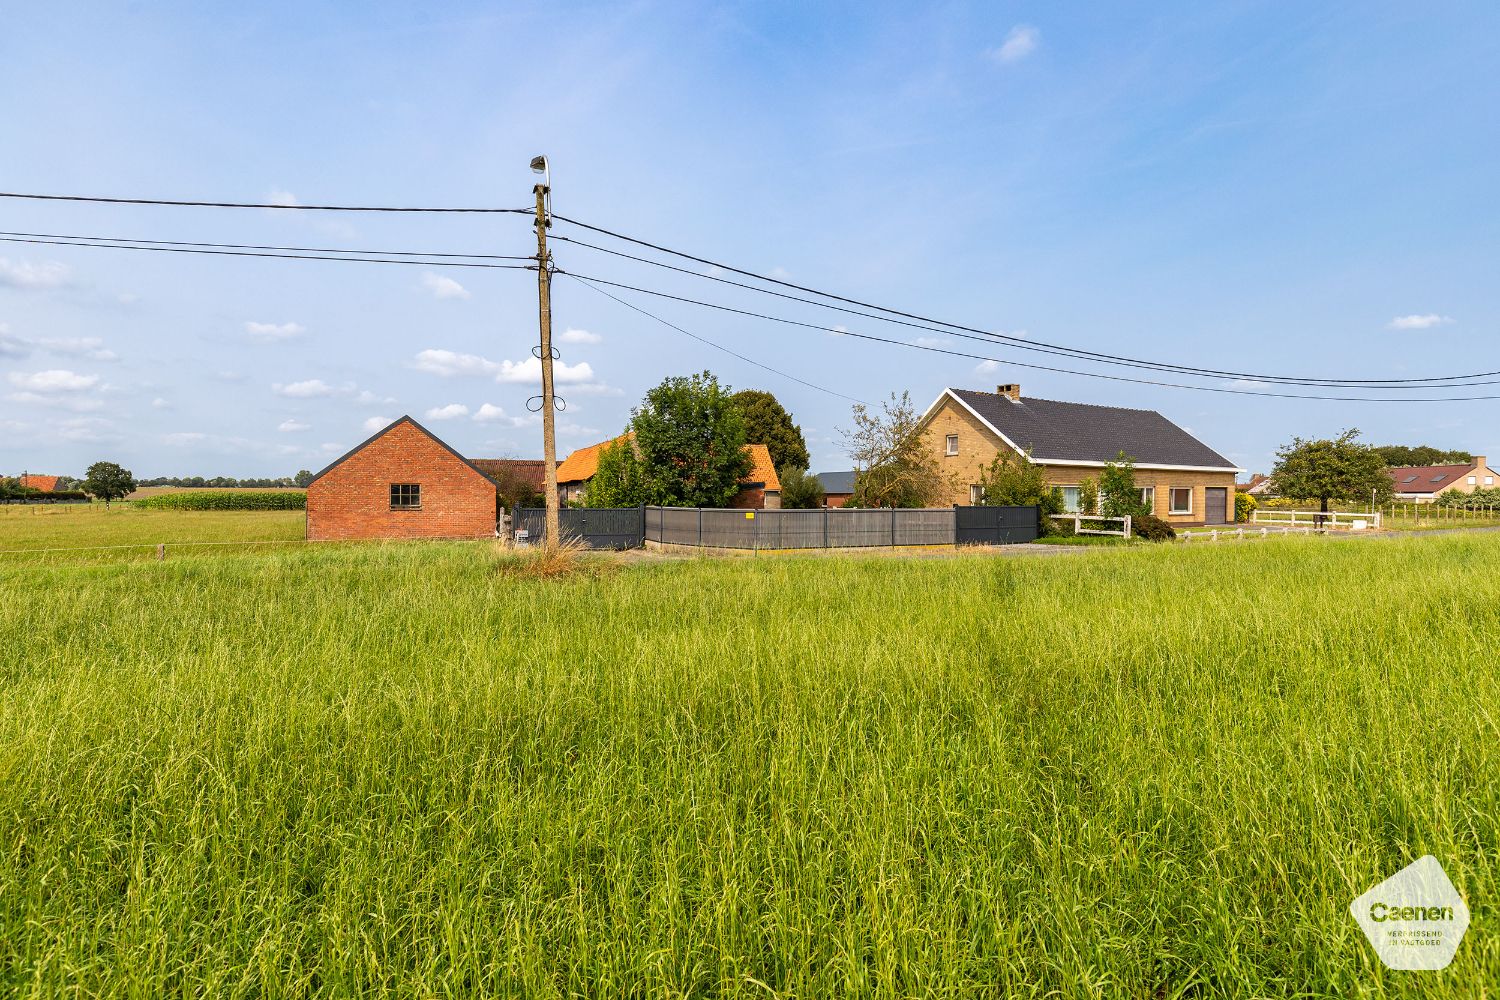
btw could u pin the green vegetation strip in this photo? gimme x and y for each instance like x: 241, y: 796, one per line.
x: 1145, y: 771
x: 225, y: 500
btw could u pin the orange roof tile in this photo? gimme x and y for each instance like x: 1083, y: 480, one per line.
x: 581, y: 465
x: 47, y: 484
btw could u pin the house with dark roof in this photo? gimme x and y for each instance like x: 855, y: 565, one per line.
x: 1181, y: 479
x: 1425, y: 483
x: 838, y: 487
x: 402, y: 482
x: 760, y: 489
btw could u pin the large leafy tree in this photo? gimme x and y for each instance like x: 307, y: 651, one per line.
x: 1327, y: 469
x: 800, y: 489
x: 1118, y: 495
x: 302, y: 478
x: 893, y: 467
x: 1422, y: 454
x: 620, y: 480
x: 691, y: 440
x: 767, y: 422
x: 107, y: 481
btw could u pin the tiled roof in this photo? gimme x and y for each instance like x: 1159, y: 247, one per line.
x: 1082, y: 432
x: 580, y: 466
x: 1427, y: 478
x: 530, y: 471
x: 382, y: 433
x: 837, y: 482
x: 47, y: 484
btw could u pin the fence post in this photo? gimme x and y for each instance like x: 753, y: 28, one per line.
x: 825, y: 525
x: 893, y: 527
x: 700, y: 527
x: 1127, y: 527
x: 161, y: 552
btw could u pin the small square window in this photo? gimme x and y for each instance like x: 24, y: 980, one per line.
x: 1473, y: 480
x: 950, y: 446
x: 1182, y: 500
x: 1148, y: 498
x: 1071, y: 501
x: 976, y: 494
x: 1489, y: 480
x: 406, y: 496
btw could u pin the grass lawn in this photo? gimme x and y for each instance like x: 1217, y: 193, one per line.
x: 74, y: 527
x: 1143, y: 771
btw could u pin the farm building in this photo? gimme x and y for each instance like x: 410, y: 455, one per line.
x: 838, y: 487
x: 1182, y: 480
x: 403, y: 482
x: 759, y: 490
x: 47, y: 484
x: 1426, y: 483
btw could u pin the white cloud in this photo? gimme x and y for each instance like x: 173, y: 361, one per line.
x: 284, y: 198
x: 1019, y: 43
x: 450, y: 412
x: 87, y: 429
x: 308, y: 389
x: 444, y: 287
x: 53, y: 380
x: 1419, y: 321
x: 160, y: 404
x: 270, y: 333
x: 182, y: 438
x: 12, y: 346
x: 985, y: 367
x: 451, y: 363
x: 24, y: 274
x: 572, y: 336
x: 81, y: 347
x: 67, y: 401
x: 291, y: 425
x: 489, y: 413
x: 374, y: 424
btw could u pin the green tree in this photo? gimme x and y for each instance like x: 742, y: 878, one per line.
x: 893, y: 467
x: 800, y: 489
x: 1326, y: 469
x: 691, y: 440
x: 767, y: 422
x: 1422, y: 454
x: 1118, y: 494
x: 302, y: 478
x: 1012, y: 480
x: 107, y: 481
x: 620, y: 480
x: 1088, y: 497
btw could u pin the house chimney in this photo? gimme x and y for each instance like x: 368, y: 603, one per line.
x: 1479, y: 462
x: 1012, y: 390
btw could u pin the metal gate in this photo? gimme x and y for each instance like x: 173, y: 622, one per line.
x: 995, y: 525
x: 1215, y: 505
x: 596, y: 527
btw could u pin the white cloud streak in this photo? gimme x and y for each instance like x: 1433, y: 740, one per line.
x: 1419, y: 321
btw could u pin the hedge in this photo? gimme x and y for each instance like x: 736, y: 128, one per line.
x: 217, y: 500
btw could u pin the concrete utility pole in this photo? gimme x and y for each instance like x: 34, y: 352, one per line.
x: 544, y: 296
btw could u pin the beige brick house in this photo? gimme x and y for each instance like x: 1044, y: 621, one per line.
x: 1427, y: 483
x: 1182, y: 480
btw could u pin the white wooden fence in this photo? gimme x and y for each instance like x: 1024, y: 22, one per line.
x: 1079, y: 529
x: 1334, y: 520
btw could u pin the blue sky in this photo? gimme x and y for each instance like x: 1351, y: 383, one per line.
x: 1289, y: 189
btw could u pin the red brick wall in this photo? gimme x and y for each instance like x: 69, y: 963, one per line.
x: 353, y: 500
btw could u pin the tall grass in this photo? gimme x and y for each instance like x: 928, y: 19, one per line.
x: 1136, y: 772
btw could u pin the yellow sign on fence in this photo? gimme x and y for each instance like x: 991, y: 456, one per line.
x: 749, y: 515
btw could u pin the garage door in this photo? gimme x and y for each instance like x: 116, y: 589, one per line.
x: 1215, y: 504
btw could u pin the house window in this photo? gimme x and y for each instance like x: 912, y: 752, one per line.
x: 406, y: 496
x: 950, y: 445
x: 1071, y: 502
x: 1148, y: 498
x: 1473, y: 480
x: 1489, y: 480
x: 1181, y: 498
x: 976, y: 494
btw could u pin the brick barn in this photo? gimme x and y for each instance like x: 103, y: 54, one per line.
x: 403, y: 482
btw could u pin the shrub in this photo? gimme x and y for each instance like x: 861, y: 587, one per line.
x: 1152, y: 528
x: 287, y: 500
x: 1244, y: 505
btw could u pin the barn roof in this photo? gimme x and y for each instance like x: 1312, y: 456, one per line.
x: 382, y: 433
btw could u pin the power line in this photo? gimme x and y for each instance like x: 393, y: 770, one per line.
x: 1022, y: 364
x: 246, y: 204
x: 276, y: 256
x: 1024, y: 343
x: 255, y: 246
x: 710, y: 343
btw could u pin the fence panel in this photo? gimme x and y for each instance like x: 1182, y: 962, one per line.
x: 927, y: 526
x: 995, y: 525
x: 596, y: 527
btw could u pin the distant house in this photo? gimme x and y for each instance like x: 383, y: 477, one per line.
x: 47, y: 484
x: 1258, y: 486
x: 838, y: 487
x: 515, y: 475
x: 1426, y: 483
x: 403, y: 482
x: 1181, y: 479
x: 760, y: 489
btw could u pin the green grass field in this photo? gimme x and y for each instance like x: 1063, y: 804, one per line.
x: 119, y: 532
x: 1143, y: 771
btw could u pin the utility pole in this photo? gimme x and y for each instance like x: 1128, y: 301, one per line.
x: 544, y: 297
